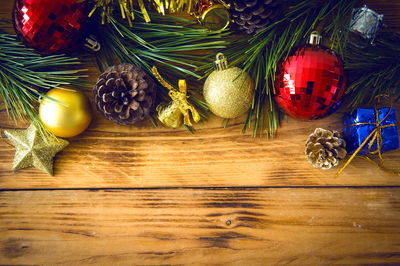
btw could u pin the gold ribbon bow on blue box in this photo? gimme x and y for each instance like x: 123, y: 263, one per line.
x: 370, y: 131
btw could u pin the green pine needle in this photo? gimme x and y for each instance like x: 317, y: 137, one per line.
x: 373, y: 70
x: 25, y: 76
x: 175, y: 45
x: 261, y: 54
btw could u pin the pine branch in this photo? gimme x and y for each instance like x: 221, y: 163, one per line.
x: 173, y: 44
x: 373, y: 70
x: 25, y: 76
x: 126, y: 8
x: 260, y: 54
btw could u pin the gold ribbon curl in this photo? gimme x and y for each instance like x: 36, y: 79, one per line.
x: 179, y: 98
x: 375, y: 134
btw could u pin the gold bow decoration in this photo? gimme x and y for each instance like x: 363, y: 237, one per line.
x: 376, y: 135
x: 171, y: 114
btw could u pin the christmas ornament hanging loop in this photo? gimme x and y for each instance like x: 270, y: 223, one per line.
x: 221, y: 63
x: 315, y: 38
x: 171, y: 115
x: 92, y: 44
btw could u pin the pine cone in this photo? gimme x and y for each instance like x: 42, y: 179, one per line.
x: 251, y: 16
x: 325, y: 148
x: 124, y: 94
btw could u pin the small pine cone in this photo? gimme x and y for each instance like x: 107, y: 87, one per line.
x: 124, y: 94
x: 325, y: 148
x: 251, y: 16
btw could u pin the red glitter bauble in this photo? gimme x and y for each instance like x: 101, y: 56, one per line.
x: 310, y: 84
x: 49, y: 26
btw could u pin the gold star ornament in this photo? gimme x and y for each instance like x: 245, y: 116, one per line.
x: 33, y: 150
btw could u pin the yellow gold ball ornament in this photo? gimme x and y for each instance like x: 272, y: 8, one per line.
x: 228, y: 91
x: 65, y: 113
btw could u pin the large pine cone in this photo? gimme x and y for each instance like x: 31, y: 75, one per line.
x: 325, y: 148
x: 251, y: 16
x: 124, y: 94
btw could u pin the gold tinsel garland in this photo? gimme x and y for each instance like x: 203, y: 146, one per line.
x: 127, y: 6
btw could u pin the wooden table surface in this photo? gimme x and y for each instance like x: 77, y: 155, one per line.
x: 145, y: 195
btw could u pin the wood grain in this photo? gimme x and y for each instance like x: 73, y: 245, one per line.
x: 201, y: 226
x: 112, y: 156
x: 165, y: 205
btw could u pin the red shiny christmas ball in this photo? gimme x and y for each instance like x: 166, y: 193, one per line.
x: 310, y: 84
x: 49, y: 26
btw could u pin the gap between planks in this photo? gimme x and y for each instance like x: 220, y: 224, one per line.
x: 246, y: 188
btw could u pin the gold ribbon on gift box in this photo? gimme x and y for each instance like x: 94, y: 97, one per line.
x: 374, y: 136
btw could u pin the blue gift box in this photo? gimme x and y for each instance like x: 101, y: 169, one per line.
x: 355, y: 135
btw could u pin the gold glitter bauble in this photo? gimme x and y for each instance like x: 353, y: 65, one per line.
x: 33, y: 150
x: 66, y: 114
x: 228, y: 91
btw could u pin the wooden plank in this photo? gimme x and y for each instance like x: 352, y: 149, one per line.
x: 112, y: 156
x: 214, y: 156
x: 197, y: 226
